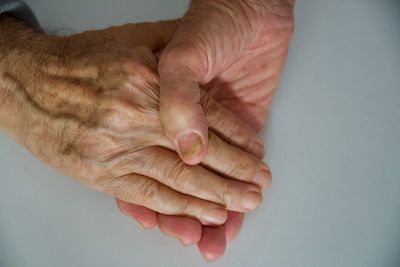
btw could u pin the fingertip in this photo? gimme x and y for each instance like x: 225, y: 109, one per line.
x: 145, y: 217
x: 147, y: 225
x: 186, y: 242
x: 213, y: 243
x: 187, y: 230
x: 210, y: 257
x: 251, y: 200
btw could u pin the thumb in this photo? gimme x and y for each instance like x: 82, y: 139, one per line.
x: 181, y: 114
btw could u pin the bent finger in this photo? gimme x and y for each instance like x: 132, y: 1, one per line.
x: 235, y: 163
x: 167, y: 168
x: 146, y: 192
x: 231, y: 128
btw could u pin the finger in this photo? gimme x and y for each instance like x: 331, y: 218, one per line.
x: 231, y: 128
x: 187, y: 230
x: 235, y: 163
x: 146, y: 192
x: 146, y: 217
x: 167, y: 168
x: 233, y: 224
x: 181, y: 114
x: 213, y: 243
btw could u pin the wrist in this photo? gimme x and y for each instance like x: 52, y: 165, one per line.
x: 19, y: 41
x: 21, y: 51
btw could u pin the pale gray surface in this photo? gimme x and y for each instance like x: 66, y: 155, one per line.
x: 333, y: 144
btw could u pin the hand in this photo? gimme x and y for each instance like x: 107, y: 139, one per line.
x: 240, y: 65
x: 236, y: 50
x: 88, y: 105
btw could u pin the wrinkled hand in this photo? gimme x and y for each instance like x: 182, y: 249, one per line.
x: 235, y: 50
x: 87, y: 104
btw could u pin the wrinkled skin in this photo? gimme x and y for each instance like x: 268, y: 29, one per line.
x: 87, y: 104
x: 243, y: 99
x: 235, y: 50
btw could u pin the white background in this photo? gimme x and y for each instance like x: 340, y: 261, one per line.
x: 333, y: 143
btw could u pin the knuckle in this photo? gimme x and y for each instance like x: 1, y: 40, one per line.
x: 121, y: 188
x: 235, y: 171
x: 225, y: 193
x: 184, y: 206
x: 178, y: 53
x: 178, y: 58
x: 147, y: 192
x: 119, y: 116
x: 240, y: 133
x: 243, y: 168
x: 241, y: 164
x: 116, y: 119
x: 248, y: 168
x: 177, y: 173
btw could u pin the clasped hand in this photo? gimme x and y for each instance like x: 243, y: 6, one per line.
x: 89, y: 105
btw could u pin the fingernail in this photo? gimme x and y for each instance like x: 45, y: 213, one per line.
x: 185, y: 242
x: 251, y: 200
x: 145, y: 227
x: 262, y: 178
x: 209, y: 257
x: 190, y: 145
x: 216, y: 216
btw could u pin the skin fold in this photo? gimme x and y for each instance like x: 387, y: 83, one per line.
x: 87, y: 104
x: 236, y: 51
